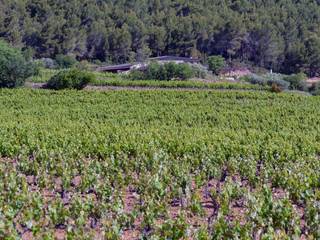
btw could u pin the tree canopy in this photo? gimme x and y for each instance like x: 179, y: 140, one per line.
x: 280, y: 34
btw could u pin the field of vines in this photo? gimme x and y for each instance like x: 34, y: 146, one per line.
x: 159, y: 165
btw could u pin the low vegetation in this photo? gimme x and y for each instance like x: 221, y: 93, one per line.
x: 167, y: 71
x: 297, y: 81
x: 216, y: 64
x: 65, y: 61
x: 43, y: 75
x: 270, y: 79
x: 158, y: 165
x: 178, y: 84
x: 315, y: 89
x: 70, y: 79
x: 109, y: 79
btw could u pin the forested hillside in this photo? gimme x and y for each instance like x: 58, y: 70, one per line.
x: 280, y: 34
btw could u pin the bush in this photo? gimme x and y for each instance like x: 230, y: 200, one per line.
x: 276, y: 79
x: 165, y: 71
x: 48, y: 63
x: 199, y: 72
x: 271, y: 79
x: 216, y: 64
x: 14, y: 69
x: 315, y: 89
x: 83, y: 65
x: 255, y: 79
x: 65, y: 61
x: 137, y: 75
x: 297, y: 81
x: 70, y: 79
x: 183, y: 72
x: 155, y: 71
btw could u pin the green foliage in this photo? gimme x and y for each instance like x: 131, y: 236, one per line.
x: 216, y: 64
x: 65, y: 61
x: 48, y: 63
x: 199, y: 72
x: 162, y: 164
x: 315, y: 89
x: 136, y: 75
x: 43, y: 76
x: 297, y: 81
x: 181, y: 71
x: 271, y: 79
x: 70, y: 79
x: 14, y: 69
x: 167, y: 71
x: 110, y: 79
x: 132, y: 30
x: 177, y: 84
x: 312, y: 217
x: 277, y: 80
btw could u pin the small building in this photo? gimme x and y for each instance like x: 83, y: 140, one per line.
x: 115, y: 68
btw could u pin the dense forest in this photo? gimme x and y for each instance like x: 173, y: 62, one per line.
x: 280, y: 34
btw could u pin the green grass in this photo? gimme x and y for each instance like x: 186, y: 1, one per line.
x: 111, y: 163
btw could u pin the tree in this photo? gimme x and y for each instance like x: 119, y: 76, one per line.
x: 65, y: 61
x: 216, y: 64
x: 256, y: 32
x: 14, y: 69
x: 312, y: 55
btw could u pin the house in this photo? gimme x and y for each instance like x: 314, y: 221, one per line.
x: 161, y: 60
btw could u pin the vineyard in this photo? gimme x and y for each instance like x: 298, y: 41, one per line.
x: 159, y: 165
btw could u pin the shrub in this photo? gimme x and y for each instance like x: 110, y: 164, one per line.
x: 165, y: 71
x: 297, y: 81
x: 137, y: 75
x: 270, y: 79
x: 216, y: 64
x: 199, y: 72
x: 183, y: 72
x: 83, y: 65
x: 315, y: 89
x: 277, y: 79
x: 255, y: 79
x: 70, y: 79
x: 14, y: 69
x: 48, y: 63
x: 154, y: 72
x: 65, y: 61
